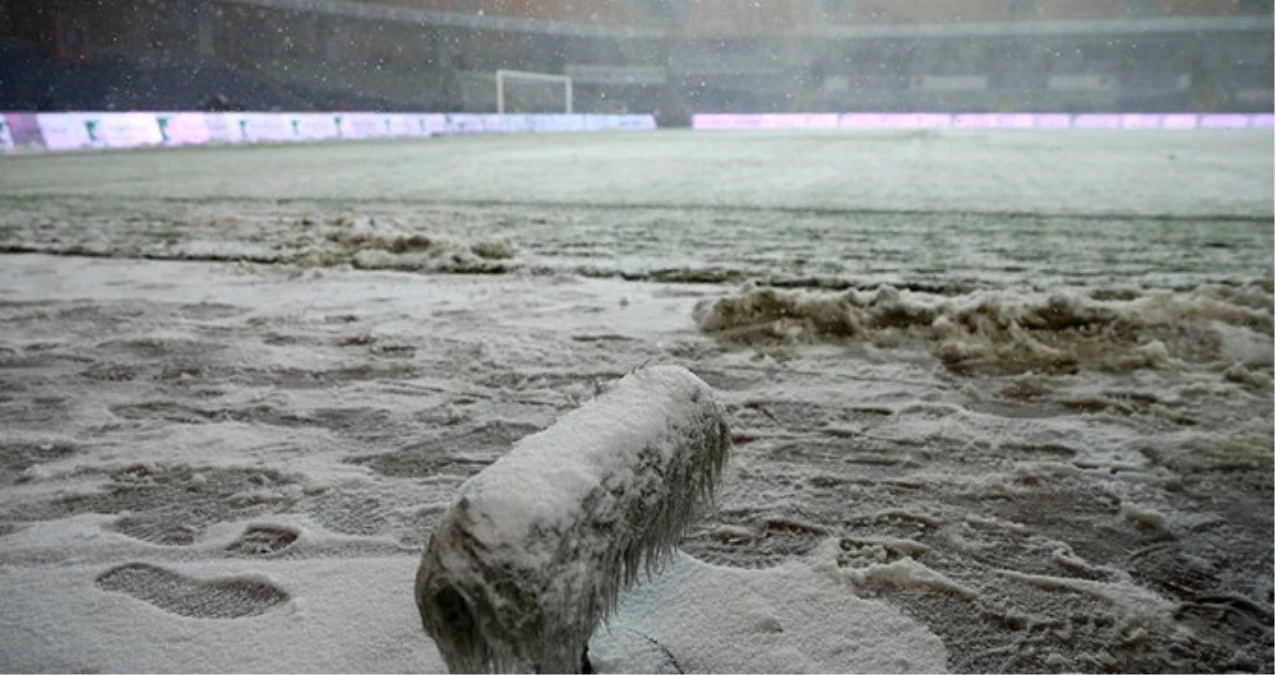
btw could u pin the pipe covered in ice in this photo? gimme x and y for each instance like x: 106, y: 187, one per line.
x: 530, y: 556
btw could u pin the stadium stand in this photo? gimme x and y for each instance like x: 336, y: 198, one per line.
x: 671, y: 57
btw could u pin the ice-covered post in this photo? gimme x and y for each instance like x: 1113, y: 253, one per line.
x: 531, y: 554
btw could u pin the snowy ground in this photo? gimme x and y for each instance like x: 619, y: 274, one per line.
x: 228, y: 422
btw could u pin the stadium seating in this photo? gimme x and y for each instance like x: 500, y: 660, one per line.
x: 112, y: 81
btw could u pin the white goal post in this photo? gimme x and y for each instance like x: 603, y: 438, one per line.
x: 503, y: 75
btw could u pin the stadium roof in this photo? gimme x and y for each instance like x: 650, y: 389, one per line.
x: 1025, y: 27
x: 1143, y: 25
x: 472, y: 20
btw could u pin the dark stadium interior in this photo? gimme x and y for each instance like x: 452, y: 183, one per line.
x: 670, y: 57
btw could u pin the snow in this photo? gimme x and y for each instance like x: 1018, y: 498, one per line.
x: 664, y: 411
x: 275, y: 441
x: 1206, y: 173
x: 790, y: 619
x: 349, y: 603
x: 1011, y: 330
x: 711, y: 617
x: 331, y: 622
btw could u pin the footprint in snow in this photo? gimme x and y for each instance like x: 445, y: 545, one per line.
x: 262, y: 540
x: 225, y: 598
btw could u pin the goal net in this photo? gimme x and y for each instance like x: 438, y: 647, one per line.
x: 522, y: 92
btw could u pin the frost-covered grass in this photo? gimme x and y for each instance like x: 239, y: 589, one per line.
x: 1204, y: 173
x: 952, y: 212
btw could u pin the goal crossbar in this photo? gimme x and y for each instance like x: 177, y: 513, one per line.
x: 502, y: 75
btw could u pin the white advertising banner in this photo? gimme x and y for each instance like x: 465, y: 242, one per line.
x: 361, y: 125
x: 87, y: 130
x: 70, y: 131
x: 265, y: 127
x: 312, y: 127
x: 129, y: 130
x: 461, y: 123
x: 6, y: 135
x: 226, y: 128
x: 182, y: 128
x: 430, y: 124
